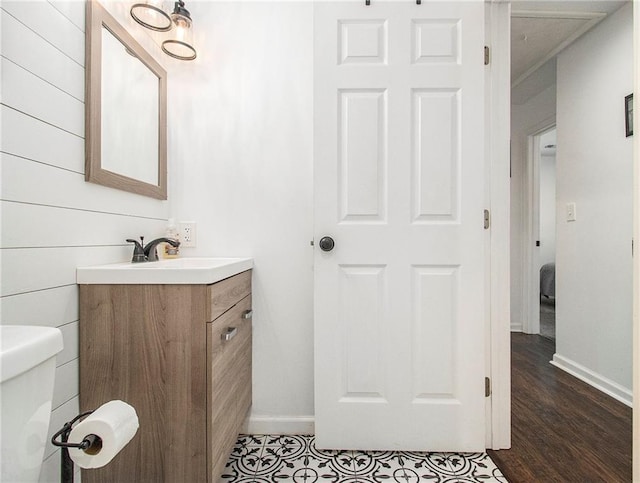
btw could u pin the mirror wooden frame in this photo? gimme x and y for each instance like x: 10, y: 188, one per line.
x: 98, y: 18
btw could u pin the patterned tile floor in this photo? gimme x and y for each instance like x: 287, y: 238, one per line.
x: 273, y: 458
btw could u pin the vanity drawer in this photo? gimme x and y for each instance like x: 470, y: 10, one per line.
x: 228, y: 382
x: 226, y: 293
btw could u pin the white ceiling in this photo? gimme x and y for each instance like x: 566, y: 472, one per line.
x: 540, y: 30
x: 535, y: 39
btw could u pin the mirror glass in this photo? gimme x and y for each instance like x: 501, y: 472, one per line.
x: 129, y: 113
x: 126, y: 110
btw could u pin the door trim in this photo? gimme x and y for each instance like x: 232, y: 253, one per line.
x: 498, y: 346
x: 636, y: 258
x: 531, y: 211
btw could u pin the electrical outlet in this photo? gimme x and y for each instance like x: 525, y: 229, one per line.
x: 187, y: 232
x: 571, y: 212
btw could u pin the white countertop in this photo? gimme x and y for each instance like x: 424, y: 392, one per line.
x: 175, y: 271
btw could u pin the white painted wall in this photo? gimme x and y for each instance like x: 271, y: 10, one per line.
x: 533, y: 115
x: 242, y: 139
x: 547, y: 198
x: 594, y: 170
x: 52, y: 220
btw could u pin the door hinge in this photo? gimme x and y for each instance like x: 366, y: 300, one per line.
x: 487, y: 387
x: 486, y: 55
x: 487, y: 220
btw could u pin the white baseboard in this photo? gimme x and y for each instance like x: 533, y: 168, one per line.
x: 516, y: 327
x: 601, y: 383
x: 256, y: 424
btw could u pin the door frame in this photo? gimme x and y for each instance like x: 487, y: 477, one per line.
x: 636, y: 259
x: 498, y: 167
x: 531, y: 209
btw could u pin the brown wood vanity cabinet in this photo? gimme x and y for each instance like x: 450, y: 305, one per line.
x: 181, y: 356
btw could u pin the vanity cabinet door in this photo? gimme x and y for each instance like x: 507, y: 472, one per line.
x: 228, y: 382
x: 146, y: 345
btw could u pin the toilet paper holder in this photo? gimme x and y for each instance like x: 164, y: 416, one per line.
x: 91, y: 444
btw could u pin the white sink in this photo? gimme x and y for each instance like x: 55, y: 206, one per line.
x: 175, y: 271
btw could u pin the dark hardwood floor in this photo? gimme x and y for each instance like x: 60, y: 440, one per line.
x: 563, y: 430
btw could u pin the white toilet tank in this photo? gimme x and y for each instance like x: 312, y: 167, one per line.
x: 27, y: 372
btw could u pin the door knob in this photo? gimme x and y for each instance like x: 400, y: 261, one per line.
x: 327, y: 243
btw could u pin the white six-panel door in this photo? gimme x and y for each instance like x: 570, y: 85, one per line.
x: 399, y: 176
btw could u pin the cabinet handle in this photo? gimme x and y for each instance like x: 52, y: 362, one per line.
x: 247, y: 314
x: 229, y: 334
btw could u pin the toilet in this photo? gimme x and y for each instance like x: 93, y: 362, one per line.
x: 27, y: 372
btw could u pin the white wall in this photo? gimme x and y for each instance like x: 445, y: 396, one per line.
x: 594, y: 170
x: 243, y: 142
x: 535, y: 114
x: 52, y: 220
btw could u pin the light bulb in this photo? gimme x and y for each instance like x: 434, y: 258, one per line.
x: 180, y: 45
x: 152, y: 15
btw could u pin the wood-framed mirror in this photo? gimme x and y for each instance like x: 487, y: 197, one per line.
x: 125, y: 109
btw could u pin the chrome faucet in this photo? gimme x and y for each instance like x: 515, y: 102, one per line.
x: 149, y: 252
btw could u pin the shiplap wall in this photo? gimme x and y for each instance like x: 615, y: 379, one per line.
x: 52, y: 220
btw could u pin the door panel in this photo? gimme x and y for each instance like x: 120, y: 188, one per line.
x: 435, y: 297
x: 361, y: 315
x: 362, y: 41
x: 435, y: 154
x: 362, y: 158
x: 399, y: 177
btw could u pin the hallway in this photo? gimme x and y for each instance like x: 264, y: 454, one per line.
x: 563, y: 430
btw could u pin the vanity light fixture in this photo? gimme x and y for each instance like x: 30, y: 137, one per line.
x: 152, y: 15
x: 180, y: 46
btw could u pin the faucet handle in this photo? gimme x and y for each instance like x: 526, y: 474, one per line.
x: 138, y: 250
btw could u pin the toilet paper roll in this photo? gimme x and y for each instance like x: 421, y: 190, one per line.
x: 115, y: 422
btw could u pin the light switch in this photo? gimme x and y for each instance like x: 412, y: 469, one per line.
x: 571, y: 212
